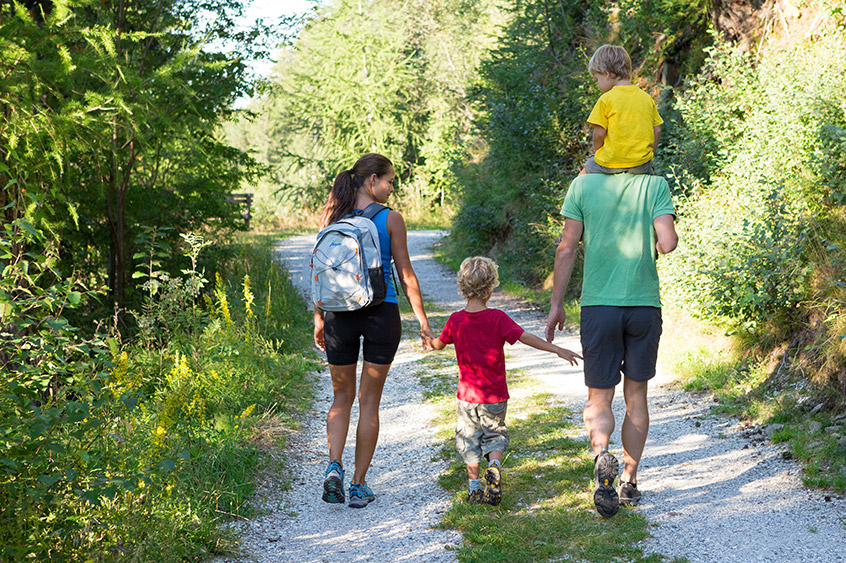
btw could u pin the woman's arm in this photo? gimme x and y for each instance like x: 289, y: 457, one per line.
x: 407, y: 277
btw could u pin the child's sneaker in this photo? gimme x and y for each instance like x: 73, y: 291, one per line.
x: 493, y: 489
x: 605, y: 498
x: 333, y: 484
x: 628, y: 493
x: 476, y: 496
x: 360, y: 495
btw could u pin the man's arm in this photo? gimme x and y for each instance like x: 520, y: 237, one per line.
x: 665, y: 234
x: 656, y: 134
x: 565, y: 258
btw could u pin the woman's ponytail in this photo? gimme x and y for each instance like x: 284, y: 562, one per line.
x: 341, y: 200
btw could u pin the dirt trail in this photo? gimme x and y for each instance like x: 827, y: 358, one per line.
x: 713, y: 491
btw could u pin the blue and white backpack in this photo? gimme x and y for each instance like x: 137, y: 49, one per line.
x: 346, y: 264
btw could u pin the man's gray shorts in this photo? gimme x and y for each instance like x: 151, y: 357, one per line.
x: 619, y: 339
x: 591, y: 167
x: 480, y: 430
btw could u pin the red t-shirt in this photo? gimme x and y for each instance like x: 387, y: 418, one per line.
x: 479, y: 338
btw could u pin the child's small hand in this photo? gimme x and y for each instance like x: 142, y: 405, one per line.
x: 568, y: 355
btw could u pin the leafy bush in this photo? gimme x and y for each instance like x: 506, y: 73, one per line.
x: 137, y: 450
x: 533, y: 97
x: 58, y: 404
x: 759, y: 198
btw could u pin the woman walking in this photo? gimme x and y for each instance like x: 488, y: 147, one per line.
x: 339, y: 334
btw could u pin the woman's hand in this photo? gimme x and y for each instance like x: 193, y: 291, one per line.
x: 319, y: 339
x: 427, y: 336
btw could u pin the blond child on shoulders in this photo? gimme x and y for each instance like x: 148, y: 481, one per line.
x: 479, y: 334
x: 626, y: 124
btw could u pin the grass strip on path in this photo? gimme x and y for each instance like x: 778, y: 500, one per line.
x: 547, y: 511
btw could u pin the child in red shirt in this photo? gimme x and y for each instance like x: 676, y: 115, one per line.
x: 479, y: 334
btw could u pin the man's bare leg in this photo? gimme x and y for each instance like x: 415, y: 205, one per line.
x: 599, y: 422
x: 635, y: 427
x: 599, y: 419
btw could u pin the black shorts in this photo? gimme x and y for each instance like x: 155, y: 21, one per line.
x: 380, y: 326
x: 619, y: 339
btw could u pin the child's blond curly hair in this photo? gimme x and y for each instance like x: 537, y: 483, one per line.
x: 477, y: 277
x: 613, y: 59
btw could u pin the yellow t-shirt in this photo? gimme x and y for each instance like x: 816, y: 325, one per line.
x: 628, y: 114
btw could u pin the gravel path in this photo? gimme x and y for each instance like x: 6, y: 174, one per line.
x: 713, y: 489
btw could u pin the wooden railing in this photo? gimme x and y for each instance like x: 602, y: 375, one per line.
x: 242, y: 199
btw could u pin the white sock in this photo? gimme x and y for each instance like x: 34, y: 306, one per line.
x: 474, y: 484
x: 494, y: 461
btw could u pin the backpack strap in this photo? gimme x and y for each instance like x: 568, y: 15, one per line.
x: 371, y: 210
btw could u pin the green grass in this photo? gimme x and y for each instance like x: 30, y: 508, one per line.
x: 755, y: 389
x: 547, y: 511
x: 246, y: 384
x: 177, y: 425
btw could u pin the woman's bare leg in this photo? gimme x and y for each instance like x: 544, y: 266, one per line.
x: 367, y: 434
x: 338, y: 419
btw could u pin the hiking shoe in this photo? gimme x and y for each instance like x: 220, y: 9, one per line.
x: 476, y: 496
x: 493, y: 490
x: 628, y: 493
x: 360, y: 495
x: 605, y: 498
x: 333, y: 484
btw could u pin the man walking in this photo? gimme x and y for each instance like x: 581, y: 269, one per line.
x: 625, y: 221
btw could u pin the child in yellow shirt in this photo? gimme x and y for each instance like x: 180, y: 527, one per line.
x: 626, y: 124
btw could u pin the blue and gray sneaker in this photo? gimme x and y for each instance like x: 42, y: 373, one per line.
x: 360, y: 495
x: 333, y: 484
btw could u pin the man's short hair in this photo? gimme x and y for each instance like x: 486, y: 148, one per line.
x: 477, y: 277
x: 612, y: 59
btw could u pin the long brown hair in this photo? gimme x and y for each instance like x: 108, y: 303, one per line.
x: 342, y: 197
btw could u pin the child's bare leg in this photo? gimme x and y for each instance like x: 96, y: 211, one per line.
x: 495, y: 456
x: 473, y: 470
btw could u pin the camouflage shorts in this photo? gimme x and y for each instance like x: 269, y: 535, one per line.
x: 591, y: 167
x: 480, y: 430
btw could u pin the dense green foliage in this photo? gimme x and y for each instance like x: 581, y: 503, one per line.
x: 763, y: 225
x: 110, y: 110
x: 766, y: 181
x: 136, y: 392
x: 114, y: 450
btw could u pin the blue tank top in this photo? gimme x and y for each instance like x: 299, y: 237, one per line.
x: 381, y: 221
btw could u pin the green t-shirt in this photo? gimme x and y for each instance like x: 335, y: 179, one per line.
x: 619, y: 239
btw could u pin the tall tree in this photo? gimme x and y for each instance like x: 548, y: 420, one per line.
x: 387, y: 75
x: 349, y: 86
x: 124, y: 97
